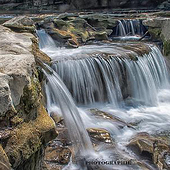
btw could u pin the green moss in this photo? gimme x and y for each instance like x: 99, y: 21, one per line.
x: 59, y: 23
x: 30, y: 99
x: 27, y: 138
x: 166, y: 47
x: 155, y: 32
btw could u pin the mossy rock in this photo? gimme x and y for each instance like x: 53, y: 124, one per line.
x: 30, y: 100
x: 38, y: 53
x: 27, y: 138
x: 166, y: 48
x: 101, y: 36
x: 59, y: 23
x: 155, y: 33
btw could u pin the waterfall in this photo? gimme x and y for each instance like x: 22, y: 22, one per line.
x: 129, y: 28
x: 57, y: 94
x: 45, y: 39
x: 131, y: 77
x: 96, y: 79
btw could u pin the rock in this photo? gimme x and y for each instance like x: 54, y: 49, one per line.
x: 27, y: 138
x: 80, y: 4
x: 56, y: 155
x: 60, y: 155
x: 99, y: 21
x: 38, y: 53
x: 21, y: 24
x: 101, y: 36
x: 4, y: 161
x: 56, y: 117
x: 16, y: 63
x: 110, y: 117
x: 66, y: 16
x: 154, y: 148
x: 99, y: 135
x: 73, y: 31
x: 158, y: 28
x: 165, y: 5
x: 25, y: 125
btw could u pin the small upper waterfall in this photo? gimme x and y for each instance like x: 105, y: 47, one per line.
x: 57, y: 94
x: 45, y: 39
x: 129, y: 28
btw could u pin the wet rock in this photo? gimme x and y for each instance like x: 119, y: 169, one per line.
x: 100, y: 135
x: 138, y: 48
x: 110, y: 117
x: 60, y: 155
x: 20, y: 102
x: 56, y: 117
x: 27, y: 138
x: 152, y: 148
x: 38, y: 53
x: 21, y: 24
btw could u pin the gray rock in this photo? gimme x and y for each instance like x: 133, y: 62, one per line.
x: 21, y: 23
x: 16, y: 63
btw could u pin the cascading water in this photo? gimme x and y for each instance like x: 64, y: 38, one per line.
x: 57, y: 94
x: 97, y: 79
x: 98, y: 75
x: 129, y: 29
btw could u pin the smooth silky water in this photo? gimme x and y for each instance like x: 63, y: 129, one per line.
x: 82, y: 80
x: 129, y: 30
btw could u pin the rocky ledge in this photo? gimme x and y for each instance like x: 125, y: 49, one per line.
x: 25, y: 126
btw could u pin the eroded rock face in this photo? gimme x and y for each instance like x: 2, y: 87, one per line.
x: 25, y: 126
x: 20, y: 24
x: 72, y: 30
x: 159, y: 30
x: 16, y: 63
x: 154, y: 148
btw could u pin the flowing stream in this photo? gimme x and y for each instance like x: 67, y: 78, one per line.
x: 137, y: 92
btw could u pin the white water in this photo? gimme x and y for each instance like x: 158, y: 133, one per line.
x: 93, y: 80
x: 57, y: 94
x: 129, y: 29
x: 97, y: 82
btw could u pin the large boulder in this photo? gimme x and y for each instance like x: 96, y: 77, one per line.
x: 155, y: 149
x: 159, y: 29
x: 21, y: 24
x: 25, y: 126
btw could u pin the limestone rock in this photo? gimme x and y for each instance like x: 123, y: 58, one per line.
x: 156, y: 148
x: 21, y: 110
x: 159, y: 30
x: 16, y: 63
x: 21, y: 24
x: 27, y: 138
